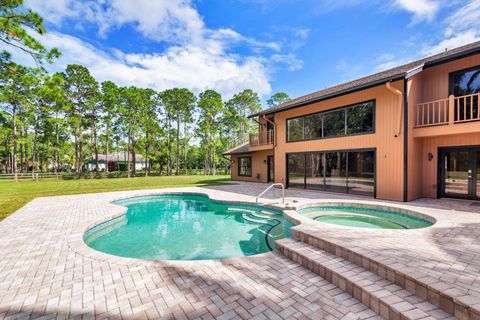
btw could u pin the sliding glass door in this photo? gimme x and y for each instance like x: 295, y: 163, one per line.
x: 340, y: 171
x: 336, y: 172
x: 315, y: 178
x: 296, y: 170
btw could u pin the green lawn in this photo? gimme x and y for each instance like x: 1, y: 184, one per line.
x: 15, y: 195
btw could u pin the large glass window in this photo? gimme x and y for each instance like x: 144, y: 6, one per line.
x: 312, y: 126
x: 314, y: 171
x: 355, y: 119
x: 245, y: 166
x: 336, y: 172
x: 346, y: 171
x: 360, y: 119
x: 295, y: 129
x: 334, y: 123
x: 296, y: 170
x: 361, y: 172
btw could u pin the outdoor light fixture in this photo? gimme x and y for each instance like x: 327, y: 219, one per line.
x: 264, y: 161
x: 430, y: 156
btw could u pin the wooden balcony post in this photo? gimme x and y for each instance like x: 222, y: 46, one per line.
x: 451, y: 109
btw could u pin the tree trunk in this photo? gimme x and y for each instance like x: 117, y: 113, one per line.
x: 106, y: 146
x: 185, y: 148
x: 177, y: 169
x: 134, y: 158
x: 146, y: 153
x: 128, y: 156
x: 169, y: 143
x: 95, y: 145
x: 25, y: 146
x: 14, y: 153
x: 80, y: 153
x: 35, y: 150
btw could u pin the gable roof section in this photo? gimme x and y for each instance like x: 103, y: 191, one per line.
x: 397, y: 73
x: 241, y: 149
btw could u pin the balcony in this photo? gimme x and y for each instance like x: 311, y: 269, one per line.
x: 449, y: 111
x: 264, y: 138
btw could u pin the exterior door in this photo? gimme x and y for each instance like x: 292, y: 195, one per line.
x: 271, y: 168
x: 460, y: 172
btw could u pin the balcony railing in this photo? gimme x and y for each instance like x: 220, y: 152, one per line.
x: 448, y: 111
x: 261, y: 138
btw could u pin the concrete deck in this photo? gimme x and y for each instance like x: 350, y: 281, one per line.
x: 46, y: 271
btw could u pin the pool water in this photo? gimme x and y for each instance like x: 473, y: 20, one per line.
x: 364, y: 218
x: 188, y: 227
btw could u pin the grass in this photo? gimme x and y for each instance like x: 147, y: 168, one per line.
x: 15, y: 195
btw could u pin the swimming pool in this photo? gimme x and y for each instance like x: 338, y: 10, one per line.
x: 188, y: 227
x: 364, y: 217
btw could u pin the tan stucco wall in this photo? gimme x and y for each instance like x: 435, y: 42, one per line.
x: 259, y: 166
x: 389, y: 148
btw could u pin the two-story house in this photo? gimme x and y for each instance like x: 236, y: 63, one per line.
x: 409, y: 132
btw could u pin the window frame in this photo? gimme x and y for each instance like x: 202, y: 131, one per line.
x: 456, y: 72
x: 346, y: 107
x: 239, y: 166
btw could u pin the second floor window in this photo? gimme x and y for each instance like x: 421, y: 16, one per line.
x: 465, y: 82
x: 354, y: 119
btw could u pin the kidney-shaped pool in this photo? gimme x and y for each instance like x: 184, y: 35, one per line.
x: 188, y: 227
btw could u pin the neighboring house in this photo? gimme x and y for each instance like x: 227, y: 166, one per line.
x: 116, y: 162
x: 401, y: 134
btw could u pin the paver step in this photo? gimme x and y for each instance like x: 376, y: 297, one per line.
x: 381, y: 295
x: 446, y: 296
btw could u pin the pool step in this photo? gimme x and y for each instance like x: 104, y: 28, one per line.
x: 452, y: 299
x: 387, y: 299
x: 250, y: 219
x: 261, y: 216
x: 268, y: 213
x: 241, y: 210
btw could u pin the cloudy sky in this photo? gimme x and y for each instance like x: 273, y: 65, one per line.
x: 296, y: 46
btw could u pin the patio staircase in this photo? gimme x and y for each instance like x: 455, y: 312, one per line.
x: 387, y: 291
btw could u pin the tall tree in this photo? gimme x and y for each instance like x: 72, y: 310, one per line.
x: 109, y: 100
x: 80, y: 88
x: 239, y: 107
x: 210, y: 106
x: 277, y: 98
x: 14, y: 98
x: 180, y: 103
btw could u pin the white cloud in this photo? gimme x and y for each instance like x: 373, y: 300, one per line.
x: 421, y: 9
x: 456, y: 40
x: 189, y: 66
x: 462, y: 27
x: 195, y: 56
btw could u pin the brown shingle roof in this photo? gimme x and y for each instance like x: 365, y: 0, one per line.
x: 244, y: 148
x: 375, y: 79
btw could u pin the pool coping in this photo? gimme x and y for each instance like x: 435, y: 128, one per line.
x: 77, y: 244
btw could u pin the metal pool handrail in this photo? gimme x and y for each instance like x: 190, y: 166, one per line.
x: 271, y: 186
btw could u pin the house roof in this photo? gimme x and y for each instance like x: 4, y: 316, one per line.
x: 397, y: 73
x: 117, y: 156
x: 241, y: 149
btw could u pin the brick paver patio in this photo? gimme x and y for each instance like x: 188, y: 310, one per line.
x: 46, y: 272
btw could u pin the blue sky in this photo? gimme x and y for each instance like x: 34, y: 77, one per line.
x: 266, y: 45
